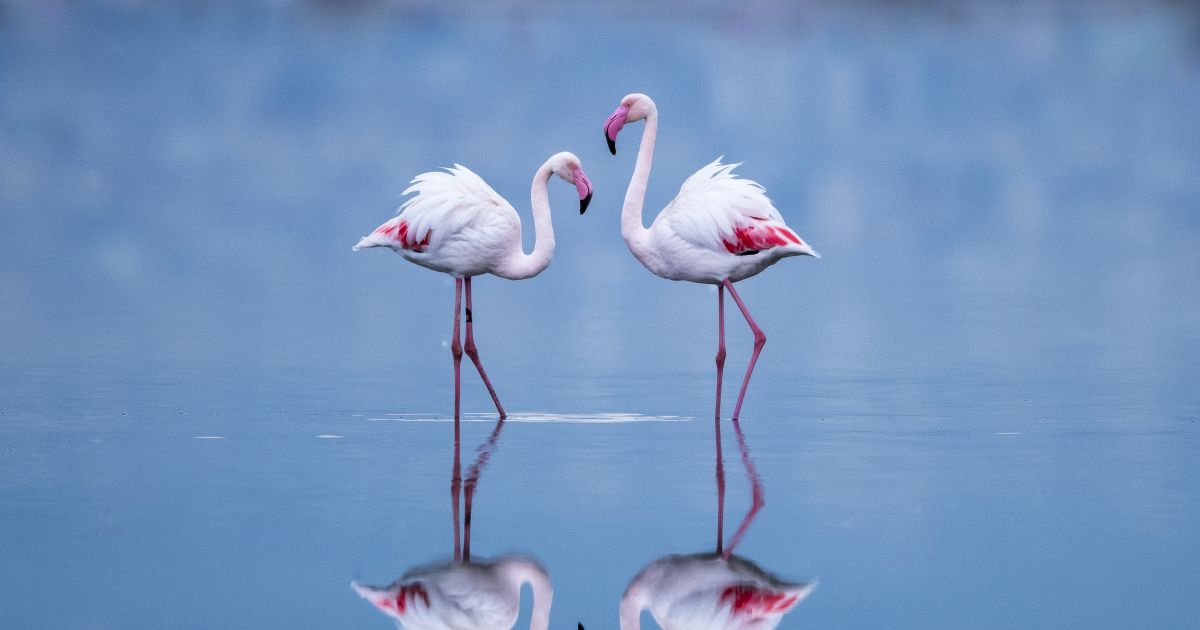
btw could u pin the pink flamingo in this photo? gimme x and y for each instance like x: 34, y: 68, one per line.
x: 457, y: 224
x: 480, y: 594
x: 718, y: 230
x: 715, y: 591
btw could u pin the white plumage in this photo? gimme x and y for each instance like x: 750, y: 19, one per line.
x: 480, y: 595
x: 721, y: 226
x: 448, y: 202
x: 707, y: 592
x: 455, y: 223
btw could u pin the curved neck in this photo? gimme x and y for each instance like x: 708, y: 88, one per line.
x: 519, y: 571
x: 635, y: 234
x: 519, y: 264
x: 632, y: 605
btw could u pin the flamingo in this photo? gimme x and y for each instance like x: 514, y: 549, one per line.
x: 482, y: 595
x: 705, y: 591
x: 716, y: 590
x: 457, y: 224
x: 718, y: 230
x: 464, y: 593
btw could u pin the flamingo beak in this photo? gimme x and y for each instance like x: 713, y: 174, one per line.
x: 613, y: 125
x: 584, y: 186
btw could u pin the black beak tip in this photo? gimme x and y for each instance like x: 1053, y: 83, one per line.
x: 583, y: 203
x: 612, y: 144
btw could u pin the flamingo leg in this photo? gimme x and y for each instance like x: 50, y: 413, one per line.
x: 474, y: 354
x: 760, y: 339
x: 720, y: 490
x: 455, y: 485
x: 467, y: 496
x: 484, y: 451
x: 756, y: 491
x: 456, y: 349
x: 720, y: 348
x: 456, y: 353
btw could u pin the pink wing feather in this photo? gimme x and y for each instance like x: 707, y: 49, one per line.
x: 397, y: 235
x: 757, y: 602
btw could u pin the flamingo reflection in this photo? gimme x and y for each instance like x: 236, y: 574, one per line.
x: 716, y: 590
x: 465, y: 593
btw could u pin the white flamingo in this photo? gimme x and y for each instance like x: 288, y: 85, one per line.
x: 706, y: 591
x: 482, y: 595
x: 718, y: 230
x: 457, y: 224
x: 463, y: 593
x: 713, y: 591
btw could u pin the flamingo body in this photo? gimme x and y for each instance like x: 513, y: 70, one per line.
x: 480, y: 595
x: 707, y: 592
x: 456, y: 224
x: 719, y: 227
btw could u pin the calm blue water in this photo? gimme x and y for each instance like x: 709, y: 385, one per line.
x: 980, y: 409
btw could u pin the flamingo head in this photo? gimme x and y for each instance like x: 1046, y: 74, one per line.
x: 568, y: 167
x: 633, y: 108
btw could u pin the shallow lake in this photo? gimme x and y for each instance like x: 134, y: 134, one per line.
x: 978, y: 410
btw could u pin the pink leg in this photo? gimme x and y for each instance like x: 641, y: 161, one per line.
x: 756, y: 489
x: 455, y: 484
x: 720, y: 347
x: 484, y: 454
x: 466, y: 548
x: 760, y: 339
x: 456, y: 346
x: 720, y: 490
x: 474, y: 354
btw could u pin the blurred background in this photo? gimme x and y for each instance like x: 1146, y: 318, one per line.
x: 182, y: 181
x: 1005, y: 195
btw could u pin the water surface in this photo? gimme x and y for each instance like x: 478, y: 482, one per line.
x: 979, y: 409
